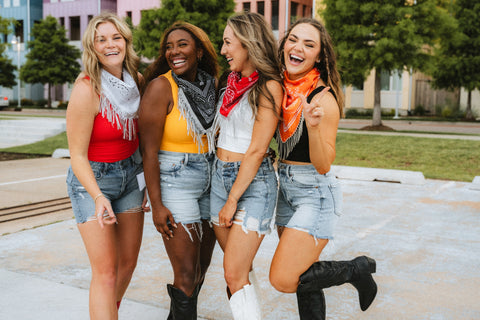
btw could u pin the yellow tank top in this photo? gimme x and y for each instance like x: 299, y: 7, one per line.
x: 175, y: 134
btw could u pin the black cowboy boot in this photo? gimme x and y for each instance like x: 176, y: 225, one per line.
x: 311, y: 301
x: 358, y: 272
x: 182, y: 307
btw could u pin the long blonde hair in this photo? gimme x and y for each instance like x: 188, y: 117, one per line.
x: 328, y: 61
x: 89, y: 56
x: 255, y: 34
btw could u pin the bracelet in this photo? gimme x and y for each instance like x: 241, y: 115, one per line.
x: 97, y: 196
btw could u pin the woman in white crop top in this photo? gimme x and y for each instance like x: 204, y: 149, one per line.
x: 244, y: 185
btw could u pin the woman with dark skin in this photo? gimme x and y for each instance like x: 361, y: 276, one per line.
x: 309, y: 200
x: 177, y: 141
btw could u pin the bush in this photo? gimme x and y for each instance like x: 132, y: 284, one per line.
x: 447, y: 112
x: 419, y: 110
x: 27, y: 102
x: 62, y: 105
x: 388, y: 113
x: 41, y: 102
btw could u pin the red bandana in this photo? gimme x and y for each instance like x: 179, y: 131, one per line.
x: 236, y: 87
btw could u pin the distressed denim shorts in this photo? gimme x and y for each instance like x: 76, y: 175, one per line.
x: 256, y: 207
x: 308, y: 201
x: 185, y: 183
x: 118, y: 183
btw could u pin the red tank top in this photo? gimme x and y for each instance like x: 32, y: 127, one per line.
x: 107, y: 143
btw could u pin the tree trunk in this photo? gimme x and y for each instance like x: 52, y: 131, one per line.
x: 377, y: 107
x: 469, y: 113
x: 49, y: 101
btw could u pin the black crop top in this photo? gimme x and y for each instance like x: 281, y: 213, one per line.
x: 301, y: 151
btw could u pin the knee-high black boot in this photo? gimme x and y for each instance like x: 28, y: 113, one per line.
x: 311, y: 301
x: 358, y: 272
x: 182, y: 307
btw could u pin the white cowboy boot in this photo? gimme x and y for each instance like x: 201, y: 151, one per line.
x: 244, y: 304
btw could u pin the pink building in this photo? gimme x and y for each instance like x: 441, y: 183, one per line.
x: 75, y: 14
x: 279, y: 13
x: 133, y: 9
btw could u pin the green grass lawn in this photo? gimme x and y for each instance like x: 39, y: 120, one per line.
x: 46, y: 146
x: 446, y: 159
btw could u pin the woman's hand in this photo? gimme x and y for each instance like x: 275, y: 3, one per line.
x: 160, y: 218
x: 225, y: 216
x: 313, y: 112
x: 104, y: 211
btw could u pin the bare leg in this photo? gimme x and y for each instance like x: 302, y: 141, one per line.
x: 295, y: 253
x: 102, y: 253
x: 129, y: 238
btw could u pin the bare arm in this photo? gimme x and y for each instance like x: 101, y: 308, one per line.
x: 82, y: 109
x: 263, y: 130
x: 322, y: 116
x: 151, y: 121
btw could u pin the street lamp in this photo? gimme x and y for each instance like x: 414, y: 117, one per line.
x: 16, y: 41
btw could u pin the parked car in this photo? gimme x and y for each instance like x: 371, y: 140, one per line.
x: 3, y: 102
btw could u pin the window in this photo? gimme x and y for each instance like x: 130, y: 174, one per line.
x: 246, y: 7
x: 19, y: 30
x: 62, y: 22
x: 293, y: 12
x: 129, y: 14
x: 307, y: 12
x: 275, y: 13
x: 6, y: 3
x: 391, y: 82
x: 75, y: 28
x: 16, y: 3
x: 261, y: 7
x: 53, y: 1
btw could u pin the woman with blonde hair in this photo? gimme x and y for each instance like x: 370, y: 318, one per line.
x: 177, y: 143
x: 310, y: 199
x: 244, y: 185
x: 105, y: 161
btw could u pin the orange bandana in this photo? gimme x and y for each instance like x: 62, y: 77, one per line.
x: 292, y: 109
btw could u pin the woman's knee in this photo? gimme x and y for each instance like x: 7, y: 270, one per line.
x: 282, y: 283
x: 105, y: 276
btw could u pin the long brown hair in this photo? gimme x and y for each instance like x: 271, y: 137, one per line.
x: 328, y: 61
x: 208, y: 63
x: 257, y: 37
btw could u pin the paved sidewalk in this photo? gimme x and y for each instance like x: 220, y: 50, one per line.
x: 423, y: 234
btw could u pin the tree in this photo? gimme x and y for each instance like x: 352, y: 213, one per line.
x: 210, y: 15
x: 458, y: 58
x: 51, y: 60
x: 7, y: 69
x: 385, y: 35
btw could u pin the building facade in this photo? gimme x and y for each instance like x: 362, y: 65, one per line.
x: 133, y: 9
x: 26, y: 13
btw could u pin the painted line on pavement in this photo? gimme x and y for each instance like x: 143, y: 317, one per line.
x: 32, y: 180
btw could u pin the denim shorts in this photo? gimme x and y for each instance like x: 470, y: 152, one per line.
x: 308, y: 201
x: 185, y: 183
x: 256, y: 207
x: 118, y: 183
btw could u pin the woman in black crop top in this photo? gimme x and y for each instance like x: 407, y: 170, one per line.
x: 309, y: 200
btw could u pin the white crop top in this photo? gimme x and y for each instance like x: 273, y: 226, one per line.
x: 236, y: 130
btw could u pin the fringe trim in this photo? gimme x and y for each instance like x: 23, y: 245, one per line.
x: 193, y: 125
x: 127, y: 125
x: 284, y: 148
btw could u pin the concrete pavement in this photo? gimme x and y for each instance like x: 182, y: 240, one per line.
x: 424, y: 236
